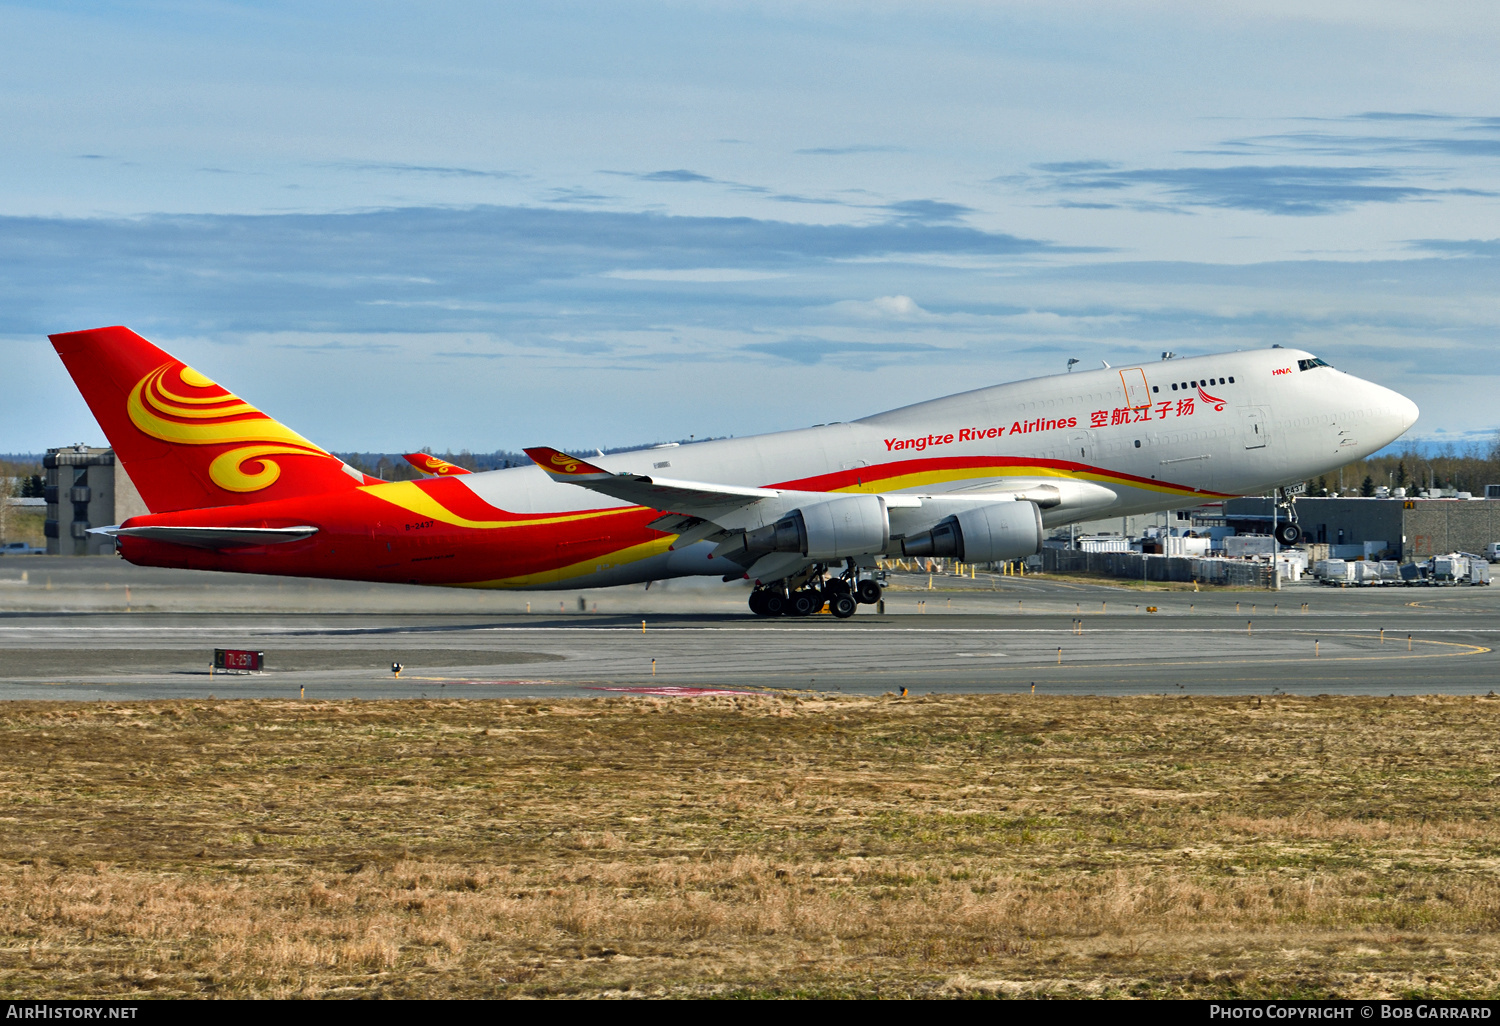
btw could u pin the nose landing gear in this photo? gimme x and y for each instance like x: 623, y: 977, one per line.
x: 1288, y: 532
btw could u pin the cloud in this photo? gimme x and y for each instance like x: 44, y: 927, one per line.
x: 844, y: 151
x: 573, y: 194
x: 697, y: 274
x: 424, y: 268
x: 481, y: 323
x: 1384, y: 115
x: 809, y: 351
x: 1069, y: 167
x: 1459, y: 247
x: 882, y: 307
x: 684, y: 176
x: 673, y: 176
x: 429, y: 169
x: 928, y: 212
x: 782, y: 197
x: 1291, y: 190
x: 1330, y: 144
x: 1407, y: 133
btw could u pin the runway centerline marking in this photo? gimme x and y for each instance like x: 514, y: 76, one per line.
x: 812, y: 631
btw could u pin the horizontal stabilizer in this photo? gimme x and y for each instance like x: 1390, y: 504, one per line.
x: 690, y: 498
x: 212, y: 537
x: 430, y: 464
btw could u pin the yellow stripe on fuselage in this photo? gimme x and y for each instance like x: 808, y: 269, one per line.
x: 406, y: 495
x: 630, y: 554
x: 927, y: 478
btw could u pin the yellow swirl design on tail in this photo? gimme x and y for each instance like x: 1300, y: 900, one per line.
x: 215, y: 420
x: 228, y: 472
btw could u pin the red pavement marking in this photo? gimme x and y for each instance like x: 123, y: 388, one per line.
x: 671, y: 691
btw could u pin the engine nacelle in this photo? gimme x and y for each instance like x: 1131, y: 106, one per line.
x: 984, y: 534
x: 854, y: 525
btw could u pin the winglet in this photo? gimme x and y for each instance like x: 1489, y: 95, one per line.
x: 430, y: 464
x: 562, y: 467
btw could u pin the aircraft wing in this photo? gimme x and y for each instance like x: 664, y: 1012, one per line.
x: 689, y: 500
x: 696, y: 511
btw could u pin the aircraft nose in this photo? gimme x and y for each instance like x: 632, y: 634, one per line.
x: 1405, y: 411
x: 1400, y: 413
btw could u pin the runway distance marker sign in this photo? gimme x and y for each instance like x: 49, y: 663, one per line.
x: 240, y: 659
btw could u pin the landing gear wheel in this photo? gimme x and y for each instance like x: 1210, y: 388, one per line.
x: 1288, y: 534
x: 837, y: 586
x: 774, y: 603
x: 842, y: 606
x: 868, y: 593
x: 804, y: 603
x: 758, y: 603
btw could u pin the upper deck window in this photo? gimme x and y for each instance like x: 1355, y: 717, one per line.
x: 1310, y: 364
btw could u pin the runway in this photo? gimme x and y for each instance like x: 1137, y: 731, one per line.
x: 337, y: 641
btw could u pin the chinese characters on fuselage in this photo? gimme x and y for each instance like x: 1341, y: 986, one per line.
x: 1164, y: 410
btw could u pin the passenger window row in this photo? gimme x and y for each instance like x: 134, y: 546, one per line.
x: 1206, y: 381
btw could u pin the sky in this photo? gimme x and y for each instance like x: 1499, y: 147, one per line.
x: 487, y: 226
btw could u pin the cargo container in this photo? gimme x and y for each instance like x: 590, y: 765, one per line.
x: 1449, y: 568
x: 1333, y: 571
x: 1249, y: 545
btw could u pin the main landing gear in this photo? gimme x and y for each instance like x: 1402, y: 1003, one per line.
x: 806, y: 593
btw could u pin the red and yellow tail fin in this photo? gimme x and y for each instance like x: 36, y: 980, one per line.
x: 562, y: 467
x: 186, y: 442
x: 430, y: 464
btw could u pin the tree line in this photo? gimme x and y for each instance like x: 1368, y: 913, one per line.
x: 1462, y: 467
x: 21, y: 478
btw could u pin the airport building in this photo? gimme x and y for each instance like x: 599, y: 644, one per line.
x: 1406, y: 529
x: 1230, y: 542
x: 86, y: 488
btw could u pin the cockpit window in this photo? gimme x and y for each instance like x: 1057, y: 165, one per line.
x: 1310, y: 364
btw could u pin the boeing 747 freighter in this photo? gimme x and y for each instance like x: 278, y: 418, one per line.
x: 803, y: 514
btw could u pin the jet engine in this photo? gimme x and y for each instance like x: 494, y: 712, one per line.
x: 1000, y: 531
x: 853, y: 525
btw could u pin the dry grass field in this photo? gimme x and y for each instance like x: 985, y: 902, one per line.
x: 751, y: 846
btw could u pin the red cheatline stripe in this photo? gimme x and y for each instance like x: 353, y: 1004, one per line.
x: 1003, y: 467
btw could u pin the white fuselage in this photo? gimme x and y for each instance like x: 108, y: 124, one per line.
x: 1157, y: 436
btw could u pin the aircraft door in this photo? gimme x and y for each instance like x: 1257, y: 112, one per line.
x: 1137, y: 393
x: 1255, y: 426
x: 1081, y: 447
